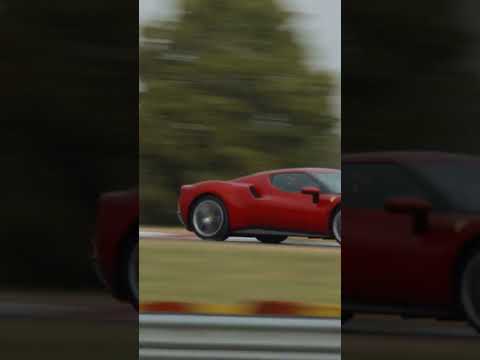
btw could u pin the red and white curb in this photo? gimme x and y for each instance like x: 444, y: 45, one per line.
x: 258, y: 308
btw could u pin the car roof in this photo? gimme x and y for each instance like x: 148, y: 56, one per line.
x: 404, y: 156
x: 292, y: 170
x: 287, y: 170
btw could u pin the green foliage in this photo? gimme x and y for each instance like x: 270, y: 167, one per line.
x: 228, y: 93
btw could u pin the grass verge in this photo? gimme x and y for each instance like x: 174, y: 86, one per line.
x: 226, y: 273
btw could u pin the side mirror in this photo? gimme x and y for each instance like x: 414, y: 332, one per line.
x: 313, y: 191
x: 419, y: 209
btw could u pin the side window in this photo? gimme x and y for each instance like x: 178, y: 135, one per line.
x: 292, y: 182
x: 368, y: 185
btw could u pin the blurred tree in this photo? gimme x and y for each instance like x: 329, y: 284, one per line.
x: 228, y: 92
x: 406, y: 83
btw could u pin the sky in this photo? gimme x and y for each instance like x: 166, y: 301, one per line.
x: 318, y: 26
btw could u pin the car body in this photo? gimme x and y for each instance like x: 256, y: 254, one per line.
x: 412, y: 234
x: 270, y: 205
x: 115, y: 244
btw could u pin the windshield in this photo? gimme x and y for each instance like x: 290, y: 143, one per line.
x: 458, y: 180
x: 330, y: 182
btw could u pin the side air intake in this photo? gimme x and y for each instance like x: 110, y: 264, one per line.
x: 254, y: 191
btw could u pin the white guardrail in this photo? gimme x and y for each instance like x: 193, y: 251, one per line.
x: 183, y: 337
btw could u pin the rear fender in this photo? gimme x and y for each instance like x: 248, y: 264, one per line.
x: 237, y: 198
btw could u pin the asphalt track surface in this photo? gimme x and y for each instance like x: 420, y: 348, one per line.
x: 238, y: 338
x: 189, y: 236
x: 382, y: 337
x: 83, y: 306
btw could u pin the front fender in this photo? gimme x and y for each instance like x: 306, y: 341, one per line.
x: 117, y: 213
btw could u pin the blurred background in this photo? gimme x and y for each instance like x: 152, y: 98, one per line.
x: 411, y: 76
x: 66, y: 139
x: 228, y: 88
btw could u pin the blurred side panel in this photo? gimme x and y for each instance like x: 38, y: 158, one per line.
x: 69, y: 111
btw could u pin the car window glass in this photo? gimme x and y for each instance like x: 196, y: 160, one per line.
x: 329, y: 182
x: 292, y: 182
x: 458, y: 179
x: 369, y: 185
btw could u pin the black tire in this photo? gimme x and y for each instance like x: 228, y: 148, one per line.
x: 336, y: 233
x: 217, y: 231
x: 271, y: 239
x: 129, y: 264
x: 470, y: 290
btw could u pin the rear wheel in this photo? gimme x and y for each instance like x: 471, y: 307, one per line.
x: 209, y: 219
x: 470, y: 290
x: 271, y: 239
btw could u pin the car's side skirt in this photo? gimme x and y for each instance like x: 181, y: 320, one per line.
x: 252, y: 232
x: 406, y: 311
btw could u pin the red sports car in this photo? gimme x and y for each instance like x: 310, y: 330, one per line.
x: 412, y: 235
x: 270, y: 206
x: 115, y: 244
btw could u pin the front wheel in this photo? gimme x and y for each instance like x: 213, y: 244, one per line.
x: 209, y: 219
x: 129, y: 270
x: 470, y: 291
x: 271, y: 239
x: 336, y: 226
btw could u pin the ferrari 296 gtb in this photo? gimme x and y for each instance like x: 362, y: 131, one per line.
x: 269, y: 206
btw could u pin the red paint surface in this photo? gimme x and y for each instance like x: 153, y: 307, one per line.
x: 273, y: 210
